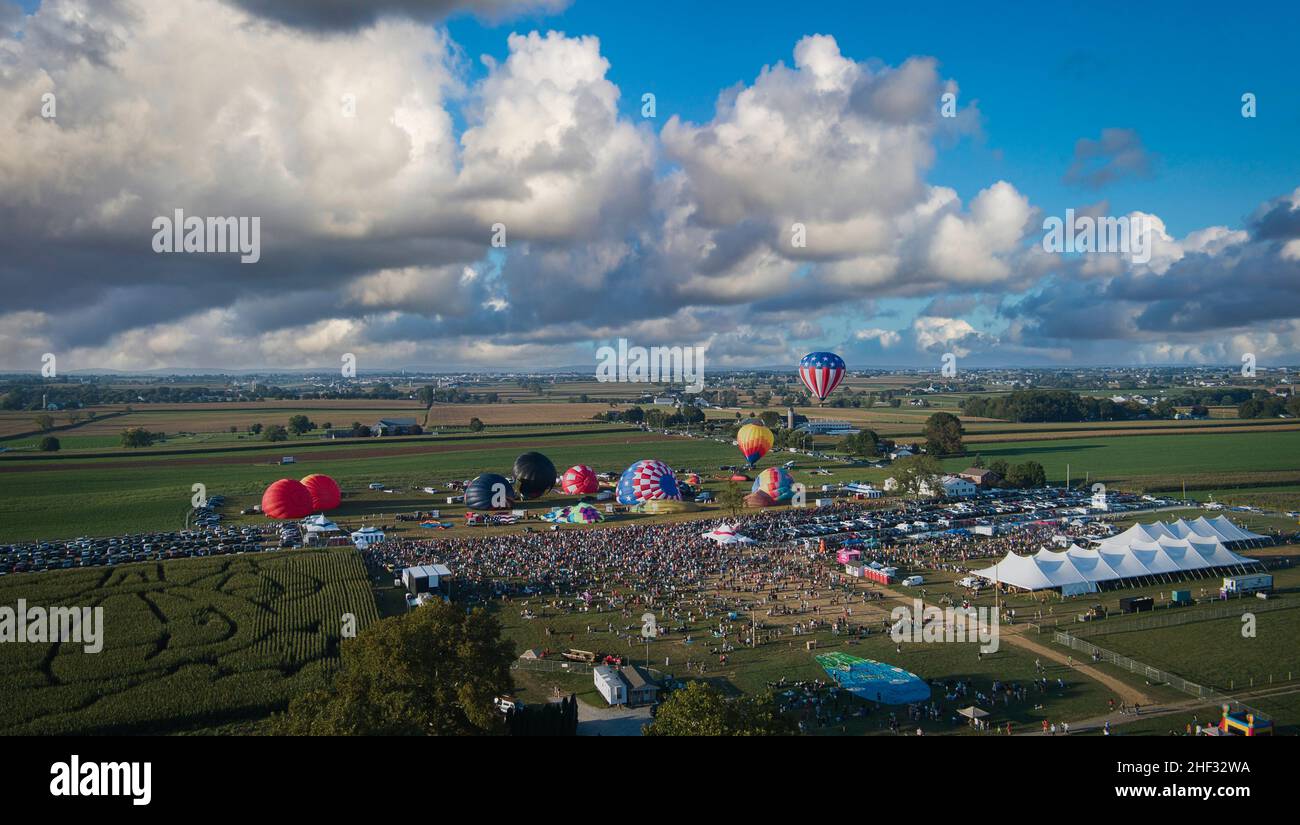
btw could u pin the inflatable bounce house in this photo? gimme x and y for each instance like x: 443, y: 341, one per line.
x: 1243, y: 724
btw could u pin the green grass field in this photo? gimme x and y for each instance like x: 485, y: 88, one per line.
x: 187, y: 644
x: 69, y: 496
x: 751, y: 670
x: 1216, y: 653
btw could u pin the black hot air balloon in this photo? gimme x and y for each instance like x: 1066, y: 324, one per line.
x: 535, y: 474
x: 480, y: 492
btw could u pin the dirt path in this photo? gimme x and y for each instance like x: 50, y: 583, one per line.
x: 1015, y: 635
x: 1130, y: 695
x: 1185, y: 706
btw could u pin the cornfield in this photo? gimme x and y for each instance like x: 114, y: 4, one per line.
x: 186, y: 643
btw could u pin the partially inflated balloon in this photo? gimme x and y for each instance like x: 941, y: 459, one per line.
x: 647, y: 480
x: 776, y: 482
x: 325, y: 494
x: 535, y: 474
x: 821, y: 373
x: 489, y: 492
x: 286, y: 499
x: 580, y: 480
x: 754, y: 440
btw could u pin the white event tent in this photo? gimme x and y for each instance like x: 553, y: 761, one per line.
x: 1142, y: 550
x: 726, y: 534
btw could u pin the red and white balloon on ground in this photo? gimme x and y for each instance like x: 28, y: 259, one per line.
x: 580, y: 480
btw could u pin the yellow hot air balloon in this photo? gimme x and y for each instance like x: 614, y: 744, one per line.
x: 754, y: 440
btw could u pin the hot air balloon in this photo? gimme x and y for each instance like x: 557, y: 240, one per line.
x: 325, y: 494
x: 821, y: 373
x: 286, y: 499
x: 535, y: 475
x: 584, y: 514
x: 481, y: 493
x: 754, y: 440
x: 647, y: 480
x: 693, y: 479
x: 665, y: 506
x: 580, y: 480
x: 776, y: 482
x: 758, y: 499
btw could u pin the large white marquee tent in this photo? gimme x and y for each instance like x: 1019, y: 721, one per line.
x: 1142, y: 550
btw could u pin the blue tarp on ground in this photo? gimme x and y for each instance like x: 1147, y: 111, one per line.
x: 874, y: 681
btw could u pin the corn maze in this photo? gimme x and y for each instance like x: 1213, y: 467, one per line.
x: 186, y: 643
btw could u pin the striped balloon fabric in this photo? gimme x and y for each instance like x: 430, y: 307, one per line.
x: 821, y: 373
x: 647, y: 480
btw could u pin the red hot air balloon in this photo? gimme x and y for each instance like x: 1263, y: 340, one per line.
x: 580, y: 480
x: 325, y: 493
x: 286, y: 499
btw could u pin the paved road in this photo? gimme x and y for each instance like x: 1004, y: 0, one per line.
x: 616, y: 721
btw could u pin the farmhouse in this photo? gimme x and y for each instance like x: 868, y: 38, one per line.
x: 396, y: 426
x: 957, y: 487
x: 641, y: 689
x: 980, y: 477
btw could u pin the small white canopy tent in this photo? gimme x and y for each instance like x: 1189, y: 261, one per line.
x: 367, y: 536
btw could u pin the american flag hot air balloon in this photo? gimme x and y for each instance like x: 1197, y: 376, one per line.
x: 821, y: 373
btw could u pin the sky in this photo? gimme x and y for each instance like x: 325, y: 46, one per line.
x: 482, y: 183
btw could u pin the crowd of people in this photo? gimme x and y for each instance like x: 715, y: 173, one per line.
x: 717, y: 598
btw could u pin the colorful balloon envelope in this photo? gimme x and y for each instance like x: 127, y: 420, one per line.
x: 580, y: 480
x: 821, y: 373
x: 775, y: 482
x: 758, y: 499
x: 325, y: 493
x: 534, y: 474
x: 584, y: 514
x: 286, y: 499
x: 489, y: 492
x: 647, y: 480
x: 664, y: 506
x: 754, y: 440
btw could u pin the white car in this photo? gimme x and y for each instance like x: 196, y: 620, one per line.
x: 912, y: 581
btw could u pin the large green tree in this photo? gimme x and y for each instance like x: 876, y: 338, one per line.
x: 700, y: 710
x: 865, y: 443
x: 299, y: 424
x: 1028, y: 474
x: 917, y: 473
x: 732, y: 498
x: 137, y: 437
x: 433, y: 671
x: 943, y: 435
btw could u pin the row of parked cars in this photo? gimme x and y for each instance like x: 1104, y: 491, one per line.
x: 207, y: 515
x: 34, y: 557
x: 920, y: 517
